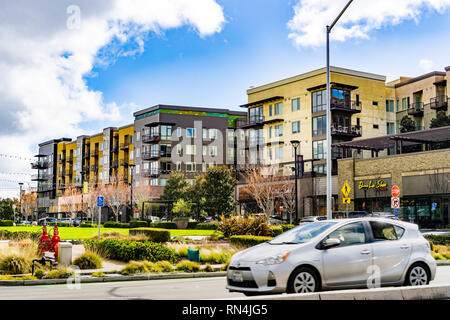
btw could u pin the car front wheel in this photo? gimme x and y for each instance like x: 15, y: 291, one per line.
x: 303, y: 280
x: 417, y: 276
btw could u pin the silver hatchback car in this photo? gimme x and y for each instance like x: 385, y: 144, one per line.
x: 334, y: 254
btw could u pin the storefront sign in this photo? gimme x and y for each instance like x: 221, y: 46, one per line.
x: 378, y: 185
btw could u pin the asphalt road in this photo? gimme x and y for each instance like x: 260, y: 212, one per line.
x: 187, y: 289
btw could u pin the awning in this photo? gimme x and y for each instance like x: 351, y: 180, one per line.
x: 274, y: 98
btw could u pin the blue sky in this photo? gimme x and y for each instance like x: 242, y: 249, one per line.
x: 252, y: 49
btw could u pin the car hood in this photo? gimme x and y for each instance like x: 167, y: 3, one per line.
x: 264, y: 250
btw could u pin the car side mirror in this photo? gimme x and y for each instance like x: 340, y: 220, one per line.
x: 330, y: 243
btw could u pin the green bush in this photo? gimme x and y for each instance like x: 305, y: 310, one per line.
x: 248, y: 241
x: 206, y: 226
x: 163, y: 225
x: 59, y: 224
x: 60, y: 273
x: 287, y: 227
x: 165, y: 266
x: 15, y: 264
x: 19, y: 235
x: 6, y: 223
x: 155, y: 235
x: 138, y: 224
x: 113, y: 224
x: 87, y: 225
x: 438, y: 239
x: 208, y: 268
x: 127, y: 250
x: 276, y: 231
x: 188, y: 266
x: 89, y: 260
x: 39, y: 273
x: 240, y: 225
x: 136, y: 267
x: 192, y: 225
x: 99, y: 274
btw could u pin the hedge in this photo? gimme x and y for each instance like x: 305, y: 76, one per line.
x: 248, y: 241
x: 438, y: 239
x: 127, y: 250
x: 154, y: 234
x: 86, y: 225
x: 19, y: 235
x: 276, y: 231
x: 138, y: 224
x: 206, y: 226
x: 163, y: 225
x: 287, y: 227
x: 59, y: 224
x: 192, y: 225
x: 113, y: 224
x: 6, y: 223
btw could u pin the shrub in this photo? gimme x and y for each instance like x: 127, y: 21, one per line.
x: 165, y: 266
x: 214, y: 257
x: 15, y: 264
x: 19, y: 235
x: 88, y: 260
x: 225, y: 266
x: 99, y: 274
x: 87, y: 225
x: 113, y: 224
x: 192, y: 225
x: 188, y: 266
x: 287, y: 227
x: 438, y: 239
x: 155, y: 235
x: 136, y: 267
x: 239, y: 225
x: 126, y: 250
x: 276, y: 231
x: 208, y: 268
x: 163, y: 225
x: 39, y: 273
x: 138, y: 224
x: 11, y: 278
x: 248, y: 241
x: 6, y: 223
x: 206, y: 226
x: 59, y: 273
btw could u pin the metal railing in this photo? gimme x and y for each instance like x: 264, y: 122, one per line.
x: 353, y: 130
x: 415, y: 108
x: 440, y: 102
x: 149, y: 138
x: 345, y: 105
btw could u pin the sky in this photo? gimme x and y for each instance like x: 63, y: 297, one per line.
x: 74, y: 67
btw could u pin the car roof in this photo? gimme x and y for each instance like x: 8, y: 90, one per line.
x: 382, y: 219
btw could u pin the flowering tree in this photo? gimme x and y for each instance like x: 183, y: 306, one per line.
x: 29, y: 204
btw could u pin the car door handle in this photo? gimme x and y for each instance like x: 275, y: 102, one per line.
x: 365, y: 252
x: 405, y: 246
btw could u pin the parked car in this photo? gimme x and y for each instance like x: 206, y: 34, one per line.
x: 208, y: 220
x: 312, y: 219
x: 334, y: 254
x: 357, y: 214
x: 154, y: 219
x: 276, y: 220
x: 25, y: 222
x: 45, y: 221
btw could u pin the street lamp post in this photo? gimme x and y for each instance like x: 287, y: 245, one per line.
x: 329, y: 163
x: 131, y: 184
x: 20, y: 199
x: 295, y: 144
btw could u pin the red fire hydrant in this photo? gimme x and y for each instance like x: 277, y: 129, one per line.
x: 44, y: 241
x: 54, y: 241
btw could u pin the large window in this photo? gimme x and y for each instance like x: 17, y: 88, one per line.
x: 279, y: 130
x: 319, y: 101
x: 190, y: 132
x: 256, y: 114
x: 319, y: 125
x: 320, y: 149
x: 278, y: 153
x: 278, y: 108
x: 166, y: 132
x: 350, y: 234
x: 296, y: 127
x: 390, y: 128
x: 295, y: 104
x: 389, y: 105
x: 404, y: 103
x: 166, y: 150
x: 386, y: 231
x: 191, y: 150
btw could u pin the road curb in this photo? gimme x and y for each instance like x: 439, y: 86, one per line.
x: 167, y: 276
x: 443, y: 263
x: 433, y: 292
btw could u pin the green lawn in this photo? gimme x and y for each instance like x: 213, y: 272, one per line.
x: 87, y: 233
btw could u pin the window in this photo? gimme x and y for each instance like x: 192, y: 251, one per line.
x: 163, y: 182
x: 270, y: 110
x: 398, y: 105
x: 166, y: 132
x: 256, y: 114
x: 179, y: 149
x: 389, y: 105
x: 138, y: 152
x: 278, y: 108
x: 296, y: 104
x: 205, y: 150
x: 279, y: 130
x: 190, y: 150
x: 166, y: 167
x: 278, y: 153
x: 296, y: 127
x: 320, y: 149
x: 138, y: 136
x: 178, y: 166
x: 375, y: 126
x: 404, y: 103
x: 319, y: 125
x: 320, y: 168
x: 385, y: 231
x: 390, y: 128
x: 205, y: 134
x: 190, y: 166
x: 203, y: 167
x: 350, y: 234
x: 213, y: 151
x: 178, y: 132
x: 375, y: 103
x: 270, y: 132
x: 190, y: 132
x: 153, y: 182
x: 166, y: 150
x: 212, y: 133
x: 138, y: 168
x: 319, y: 101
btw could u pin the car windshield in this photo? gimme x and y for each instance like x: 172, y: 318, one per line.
x: 302, y: 234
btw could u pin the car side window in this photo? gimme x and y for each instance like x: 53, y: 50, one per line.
x: 385, y: 231
x: 349, y: 234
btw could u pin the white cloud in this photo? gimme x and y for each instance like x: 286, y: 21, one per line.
x: 426, y: 65
x: 43, y: 62
x: 308, y: 26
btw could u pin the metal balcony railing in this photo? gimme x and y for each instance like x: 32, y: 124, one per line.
x: 438, y: 103
x: 124, y: 162
x: 345, y: 105
x: 151, y: 138
x: 151, y: 155
x: 416, y: 109
x: 125, y: 145
x: 354, y: 131
x: 40, y: 165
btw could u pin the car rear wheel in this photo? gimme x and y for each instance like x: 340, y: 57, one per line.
x: 417, y: 275
x: 303, y: 280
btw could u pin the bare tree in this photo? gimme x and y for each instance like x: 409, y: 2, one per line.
x: 90, y: 200
x: 116, y: 196
x: 70, y: 201
x: 29, y: 204
x: 142, y: 193
x: 287, y: 196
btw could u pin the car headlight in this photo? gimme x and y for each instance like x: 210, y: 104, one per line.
x: 279, y: 258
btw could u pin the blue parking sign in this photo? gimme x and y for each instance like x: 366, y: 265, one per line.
x: 100, y: 201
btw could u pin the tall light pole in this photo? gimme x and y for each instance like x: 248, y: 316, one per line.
x: 329, y: 163
x: 20, y: 198
x: 131, y: 184
x: 295, y: 144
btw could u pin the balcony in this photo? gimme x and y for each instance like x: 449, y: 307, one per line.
x: 150, y: 155
x: 40, y: 177
x: 349, y: 106
x: 252, y: 121
x: 125, y: 145
x: 124, y: 162
x: 39, y: 165
x: 86, y: 155
x: 62, y: 160
x: 69, y: 159
x: 439, y: 103
x: 69, y: 173
x: 45, y: 187
x: 94, y: 168
x: 151, y: 138
x: 347, y: 131
x: 151, y: 173
x: 115, y: 148
x: 115, y: 164
x: 95, y: 153
x: 416, y: 109
x: 86, y: 169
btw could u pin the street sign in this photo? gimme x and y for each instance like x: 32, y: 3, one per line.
x: 346, y: 189
x: 281, y: 208
x: 395, y: 202
x: 395, y: 191
x: 100, y: 201
x: 346, y: 200
x: 396, y: 212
